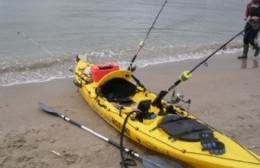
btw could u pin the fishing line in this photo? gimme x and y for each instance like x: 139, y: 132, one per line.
x: 224, y: 45
x: 38, y: 45
x: 193, y: 31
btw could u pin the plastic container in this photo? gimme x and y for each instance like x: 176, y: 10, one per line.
x: 98, y: 71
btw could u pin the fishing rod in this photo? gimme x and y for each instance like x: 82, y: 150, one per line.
x: 141, y: 44
x: 147, y: 161
x: 38, y: 45
x: 187, y: 74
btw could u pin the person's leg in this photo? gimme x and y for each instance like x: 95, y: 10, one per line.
x: 247, y: 34
x: 255, y: 42
x: 257, y: 49
x: 245, y: 52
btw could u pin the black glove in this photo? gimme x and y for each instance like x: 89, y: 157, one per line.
x: 210, y: 143
x: 219, y: 149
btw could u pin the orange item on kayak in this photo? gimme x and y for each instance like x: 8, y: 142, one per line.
x: 100, y: 70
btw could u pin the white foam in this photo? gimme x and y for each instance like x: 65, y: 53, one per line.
x: 61, y: 71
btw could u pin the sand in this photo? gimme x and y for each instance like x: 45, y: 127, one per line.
x: 225, y: 94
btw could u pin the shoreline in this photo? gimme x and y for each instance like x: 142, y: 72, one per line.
x: 12, y: 75
x: 225, y: 95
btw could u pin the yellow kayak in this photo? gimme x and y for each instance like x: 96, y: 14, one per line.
x: 114, y: 93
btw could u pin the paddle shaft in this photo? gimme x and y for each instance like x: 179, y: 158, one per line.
x: 131, y: 152
x: 148, y: 163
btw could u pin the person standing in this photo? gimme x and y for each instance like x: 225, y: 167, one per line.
x: 252, y: 28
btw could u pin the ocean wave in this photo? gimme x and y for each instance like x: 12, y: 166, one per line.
x: 46, y: 70
x: 32, y: 66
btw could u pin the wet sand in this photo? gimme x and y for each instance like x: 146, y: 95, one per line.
x: 225, y: 94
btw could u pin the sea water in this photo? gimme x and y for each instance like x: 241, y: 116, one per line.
x: 53, y: 32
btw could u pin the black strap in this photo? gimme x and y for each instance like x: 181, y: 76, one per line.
x: 127, y: 162
x: 178, y: 136
x: 174, y: 120
x: 138, y: 82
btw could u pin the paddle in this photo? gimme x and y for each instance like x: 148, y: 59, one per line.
x: 148, y: 161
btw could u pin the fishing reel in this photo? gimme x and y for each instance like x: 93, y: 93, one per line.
x: 178, y: 98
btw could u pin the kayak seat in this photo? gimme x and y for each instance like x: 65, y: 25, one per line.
x: 118, y: 90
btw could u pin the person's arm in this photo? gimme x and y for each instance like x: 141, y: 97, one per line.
x: 248, y: 6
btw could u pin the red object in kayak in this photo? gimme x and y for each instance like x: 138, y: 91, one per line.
x: 100, y: 70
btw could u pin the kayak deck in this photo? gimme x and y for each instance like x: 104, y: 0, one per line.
x: 168, y: 130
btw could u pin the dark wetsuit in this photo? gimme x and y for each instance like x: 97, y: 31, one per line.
x: 252, y: 27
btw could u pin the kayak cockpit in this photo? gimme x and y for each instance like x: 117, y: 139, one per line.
x: 118, y: 90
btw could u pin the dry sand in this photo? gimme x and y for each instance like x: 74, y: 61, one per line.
x: 225, y: 94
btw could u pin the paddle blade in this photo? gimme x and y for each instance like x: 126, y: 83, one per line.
x: 47, y: 109
x: 159, y: 162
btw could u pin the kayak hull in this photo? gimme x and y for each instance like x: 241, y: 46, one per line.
x: 148, y: 131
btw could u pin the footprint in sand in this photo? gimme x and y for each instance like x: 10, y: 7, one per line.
x: 19, y: 148
x: 70, y: 158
